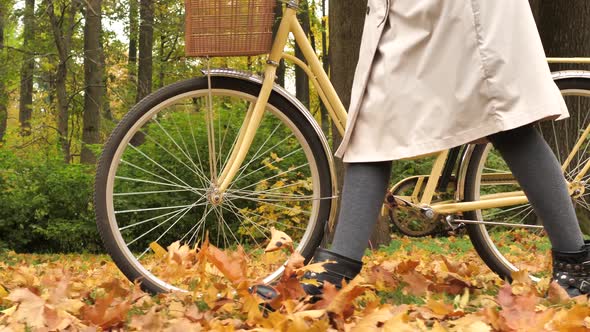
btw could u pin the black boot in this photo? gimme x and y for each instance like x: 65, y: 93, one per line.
x: 344, y: 268
x: 571, y: 270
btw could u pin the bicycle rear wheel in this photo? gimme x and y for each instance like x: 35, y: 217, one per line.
x: 506, y: 249
x: 154, y: 181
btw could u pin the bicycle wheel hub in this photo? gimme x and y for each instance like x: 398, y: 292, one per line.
x: 578, y: 189
x: 214, y: 196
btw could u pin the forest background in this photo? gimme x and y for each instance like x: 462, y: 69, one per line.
x: 70, y: 69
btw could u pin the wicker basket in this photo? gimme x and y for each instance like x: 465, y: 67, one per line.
x: 229, y: 27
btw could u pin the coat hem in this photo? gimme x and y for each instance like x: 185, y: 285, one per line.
x: 497, y: 125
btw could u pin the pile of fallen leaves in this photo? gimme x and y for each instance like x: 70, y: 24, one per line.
x: 409, y: 289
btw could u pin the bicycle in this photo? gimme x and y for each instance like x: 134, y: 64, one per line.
x: 268, y: 163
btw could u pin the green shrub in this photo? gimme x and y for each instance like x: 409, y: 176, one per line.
x: 46, y: 205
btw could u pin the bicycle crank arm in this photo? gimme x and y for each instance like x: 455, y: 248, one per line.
x: 491, y: 223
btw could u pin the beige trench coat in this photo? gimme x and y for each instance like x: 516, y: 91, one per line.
x: 434, y: 74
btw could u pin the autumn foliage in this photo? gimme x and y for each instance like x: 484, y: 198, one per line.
x: 409, y: 289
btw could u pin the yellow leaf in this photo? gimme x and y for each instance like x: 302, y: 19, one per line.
x: 3, y: 292
x: 158, y: 250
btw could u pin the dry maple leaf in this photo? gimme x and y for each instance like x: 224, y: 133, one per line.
x: 556, y: 294
x: 574, y: 319
x: 278, y: 241
x: 374, y: 321
x: 417, y: 284
x: 30, y: 307
x: 295, y: 262
x: 150, y: 321
x: 233, y: 266
x: 106, y: 312
x: 342, y: 303
x: 518, y: 312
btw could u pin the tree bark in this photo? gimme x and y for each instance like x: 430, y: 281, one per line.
x: 93, y: 78
x: 280, y: 75
x: 3, y: 74
x: 326, y: 65
x: 63, y: 30
x: 133, y: 32
x: 345, y: 31
x: 301, y: 79
x: 27, y: 68
x: 146, y: 44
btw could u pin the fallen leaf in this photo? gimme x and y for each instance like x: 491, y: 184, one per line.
x: 279, y: 240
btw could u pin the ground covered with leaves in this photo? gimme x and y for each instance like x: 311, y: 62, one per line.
x: 412, y: 285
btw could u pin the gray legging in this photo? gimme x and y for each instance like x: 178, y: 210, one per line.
x: 365, y: 185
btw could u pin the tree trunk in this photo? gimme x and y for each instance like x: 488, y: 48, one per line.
x: 325, y: 118
x: 133, y: 32
x: 63, y: 29
x: 345, y: 32
x: 93, y: 78
x: 106, y: 104
x: 146, y: 44
x: 3, y: 75
x: 163, y: 61
x: 301, y: 79
x: 280, y: 75
x: 27, y: 68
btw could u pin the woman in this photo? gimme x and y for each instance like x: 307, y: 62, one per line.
x: 436, y: 74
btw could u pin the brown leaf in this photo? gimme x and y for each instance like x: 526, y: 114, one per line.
x: 556, y: 294
x: 106, y: 312
x: 295, y: 262
x: 30, y: 308
x: 233, y: 266
x: 417, y: 284
x: 150, y: 321
x: 573, y: 319
x: 519, y: 311
x: 407, y: 266
x: 374, y: 321
x: 342, y: 302
x: 329, y: 294
x: 381, y: 277
x: 278, y: 241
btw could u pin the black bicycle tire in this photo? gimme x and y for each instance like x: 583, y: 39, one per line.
x: 281, y: 103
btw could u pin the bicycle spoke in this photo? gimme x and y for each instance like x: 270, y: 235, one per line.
x: 274, y: 176
x: 148, y: 172
x: 190, y: 123
x: 272, y: 221
x: 239, y: 215
x: 151, y: 219
x: 488, y: 216
x: 157, y: 226
x: 198, y: 224
x: 227, y: 226
x: 165, y: 232
x: 153, y: 192
x: 556, y: 142
x: 222, y: 141
x: 196, y: 168
x: 158, y: 164
x: 187, y: 154
x: 152, y: 182
x: 279, y: 159
x: 244, y: 167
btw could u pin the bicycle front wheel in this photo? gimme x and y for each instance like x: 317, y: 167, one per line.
x: 522, y: 244
x: 154, y: 189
